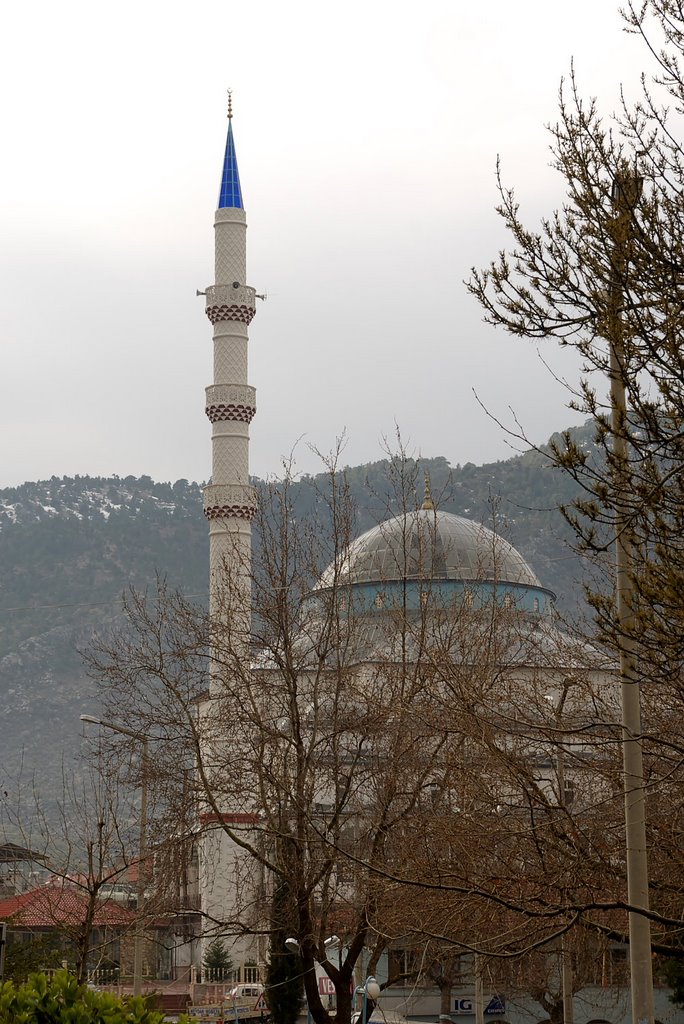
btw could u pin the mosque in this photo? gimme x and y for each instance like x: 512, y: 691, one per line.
x: 462, y: 560
x: 423, y: 559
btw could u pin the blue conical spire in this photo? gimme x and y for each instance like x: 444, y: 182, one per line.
x: 230, y: 194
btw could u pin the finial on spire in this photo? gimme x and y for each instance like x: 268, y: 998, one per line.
x: 428, y: 503
x: 230, y: 194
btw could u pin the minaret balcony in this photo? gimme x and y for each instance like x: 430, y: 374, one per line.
x: 236, y: 402
x: 230, y: 501
x: 231, y: 302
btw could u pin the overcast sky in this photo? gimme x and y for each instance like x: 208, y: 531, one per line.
x: 366, y: 134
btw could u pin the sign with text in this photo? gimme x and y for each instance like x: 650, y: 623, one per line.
x: 497, y: 1004
x: 326, y: 986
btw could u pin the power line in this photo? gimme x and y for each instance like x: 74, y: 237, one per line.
x: 74, y: 604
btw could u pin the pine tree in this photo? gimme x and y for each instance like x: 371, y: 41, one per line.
x: 217, y: 958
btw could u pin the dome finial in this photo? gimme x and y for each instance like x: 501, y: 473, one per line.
x: 230, y: 104
x: 428, y: 503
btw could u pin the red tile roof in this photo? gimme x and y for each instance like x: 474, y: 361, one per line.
x: 55, y: 905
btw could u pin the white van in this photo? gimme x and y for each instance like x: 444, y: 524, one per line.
x: 244, y: 993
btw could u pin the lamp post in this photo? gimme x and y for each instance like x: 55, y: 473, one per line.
x: 566, y: 959
x: 371, y: 990
x: 293, y: 945
x: 142, y: 844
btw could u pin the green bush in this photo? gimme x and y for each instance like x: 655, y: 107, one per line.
x: 61, y: 1000
x: 25, y: 958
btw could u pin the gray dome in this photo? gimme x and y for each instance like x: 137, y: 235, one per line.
x: 428, y: 544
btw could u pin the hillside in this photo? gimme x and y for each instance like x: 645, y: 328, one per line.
x: 70, y: 547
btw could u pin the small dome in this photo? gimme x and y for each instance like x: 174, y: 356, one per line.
x: 428, y: 544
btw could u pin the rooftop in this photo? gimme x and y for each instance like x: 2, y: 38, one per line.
x: 427, y: 544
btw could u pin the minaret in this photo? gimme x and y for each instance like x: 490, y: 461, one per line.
x: 229, y: 500
x: 229, y: 505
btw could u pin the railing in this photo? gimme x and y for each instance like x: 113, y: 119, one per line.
x: 245, y: 974
x: 218, y: 976
x: 104, y: 976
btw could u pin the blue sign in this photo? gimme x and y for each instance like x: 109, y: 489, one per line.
x: 497, y: 1004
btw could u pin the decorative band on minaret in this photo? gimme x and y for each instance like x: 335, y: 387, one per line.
x: 230, y: 500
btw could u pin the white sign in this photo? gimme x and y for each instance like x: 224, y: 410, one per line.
x: 497, y: 1004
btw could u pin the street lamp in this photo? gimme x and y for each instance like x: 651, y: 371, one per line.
x: 293, y: 945
x: 558, y: 706
x: 142, y: 844
x: 371, y: 990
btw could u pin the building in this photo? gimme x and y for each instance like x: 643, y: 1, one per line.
x: 230, y: 499
x: 19, y: 868
x: 57, y: 912
x: 424, y: 666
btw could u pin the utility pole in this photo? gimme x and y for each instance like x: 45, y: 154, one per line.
x: 479, y: 990
x: 566, y: 956
x: 626, y: 192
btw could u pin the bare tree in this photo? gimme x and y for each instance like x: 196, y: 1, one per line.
x: 86, y: 849
x: 603, y: 273
x: 393, y: 767
x: 300, y: 751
